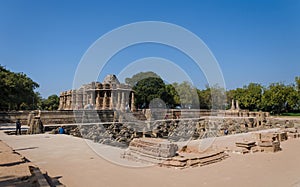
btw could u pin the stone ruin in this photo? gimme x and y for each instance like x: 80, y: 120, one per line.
x: 108, y: 95
x: 235, y: 106
x: 267, y: 141
x: 175, y: 130
x: 150, y: 150
x: 35, y: 123
x: 194, y: 159
x: 166, y: 154
x: 121, y: 134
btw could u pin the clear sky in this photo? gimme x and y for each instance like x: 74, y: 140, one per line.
x: 253, y: 41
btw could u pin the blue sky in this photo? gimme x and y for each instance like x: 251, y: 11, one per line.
x: 253, y: 41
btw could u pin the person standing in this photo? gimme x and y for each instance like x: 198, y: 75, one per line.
x: 18, y: 127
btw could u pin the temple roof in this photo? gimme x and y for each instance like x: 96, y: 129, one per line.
x: 111, y: 79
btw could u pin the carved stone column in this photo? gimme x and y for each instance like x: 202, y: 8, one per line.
x: 79, y: 104
x: 61, y: 100
x: 104, y: 101
x: 83, y: 98
x: 132, y: 102
x: 123, y: 101
x: 93, y: 100
x: 232, y: 105
x: 119, y: 101
x: 237, y: 107
x: 111, y: 105
x: 98, y: 105
x: 65, y: 101
x: 73, y: 99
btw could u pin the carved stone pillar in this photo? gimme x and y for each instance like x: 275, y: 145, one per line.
x: 123, y: 101
x: 104, y: 101
x: 232, y: 105
x: 79, y: 104
x: 111, y: 104
x: 132, y: 102
x: 70, y: 100
x: 98, y: 105
x: 237, y: 107
x: 93, y: 101
x: 61, y: 100
x: 65, y: 101
x: 88, y: 98
x: 119, y: 101
x: 73, y: 99
x: 83, y: 98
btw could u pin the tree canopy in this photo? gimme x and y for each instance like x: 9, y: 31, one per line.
x: 140, y: 76
x: 275, y: 98
x: 249, y: 96
x: 51, y: 103
x: 148, y: 89
x: 17, y: 91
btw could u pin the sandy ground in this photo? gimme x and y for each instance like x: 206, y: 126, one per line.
x: 76, y: 164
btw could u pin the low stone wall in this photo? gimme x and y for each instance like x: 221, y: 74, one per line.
x: 59, y: 117
x: 12, y: 116
x: 158, y: 114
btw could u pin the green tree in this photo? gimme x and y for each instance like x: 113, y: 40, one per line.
x: 213, y: 97
x: 51, y: 103
x: 218, y: 97
x: 148, y: 89
x: 17, y: 90
x: 297, y: 88
x: 249, y: 96
x: 205, y: 98
x: 186, y: 95
x: 175, y: 99
x: 297, y: 80
x: 140, y: 76
x: 279, y: 98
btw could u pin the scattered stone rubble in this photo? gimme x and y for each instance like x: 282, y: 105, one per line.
x: 121, y: 134
x: 114, y: 134
x: 267, y: 142
x: 166, y: 154
x: 185, y: 160
x: 150, y: 150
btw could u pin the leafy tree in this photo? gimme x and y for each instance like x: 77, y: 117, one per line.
x: 218, y: 97
x: 297, y: 88
x: 205, y: 98
x: 17, y: 91
x: 140, y: 76
x: 175, y: 99
x: 51, y: 103
x: 186, y: 95
x: 249, y: 96
x: 297, y: 80
x: 213, y: 97
x: 278, y: 98
x: 148, y: 89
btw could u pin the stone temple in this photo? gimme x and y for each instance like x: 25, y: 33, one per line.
x: 108, y: 95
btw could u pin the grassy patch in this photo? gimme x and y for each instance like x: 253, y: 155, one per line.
x: 290, y: 114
